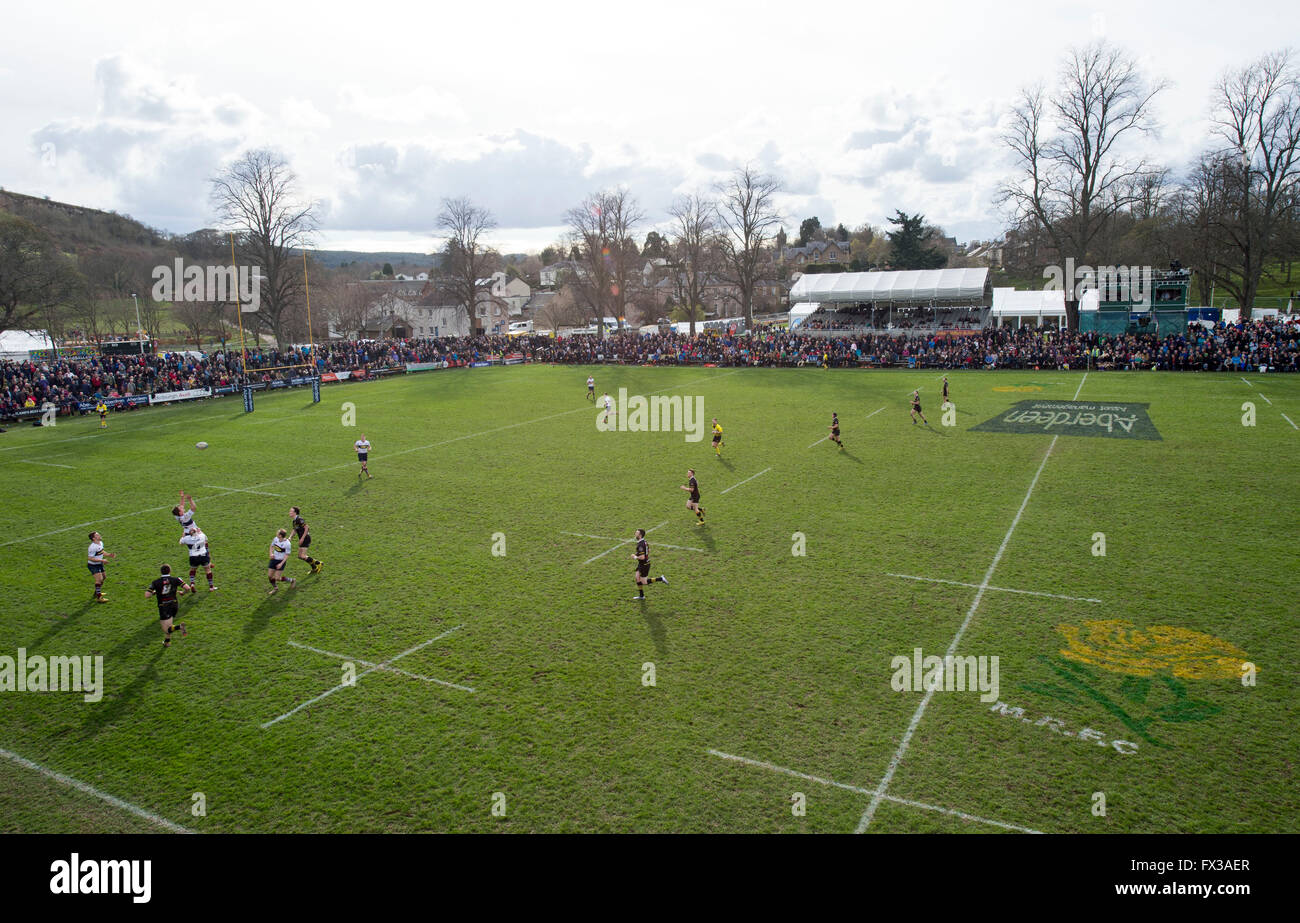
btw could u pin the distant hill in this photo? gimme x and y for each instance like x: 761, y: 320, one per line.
x: 79, y: 229
x: 335, y: 258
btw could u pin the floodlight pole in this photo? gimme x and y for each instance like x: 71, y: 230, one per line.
x: 137, y: 320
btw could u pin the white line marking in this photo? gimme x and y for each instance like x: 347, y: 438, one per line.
x: 828, y: 435
x: 625, y: 541
x: 380, y: 666
x: 28, y: 461
x: 1267, y: 401
x: 241, y: 490
x: 1000, y: 589
x: 349, y: 464
x: 747, y: 480
x: 952, y: 647
x: 39, y: 445
x: 1247, y: 382
x: 863, y: 791
x: 91, y: 790
x: 421, y: 646
x: 1289, y: 420
x: 610, y: 538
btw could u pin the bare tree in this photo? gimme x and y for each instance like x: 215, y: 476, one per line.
x: 467, y: 259
x: 194, y: 316
x: 747, y: 219
x: 1073, y: 178
x: 600, y: 232
x: 257, y: 198
x: 1256, y: 172
x: 36, y: 279
x: 694, y: 250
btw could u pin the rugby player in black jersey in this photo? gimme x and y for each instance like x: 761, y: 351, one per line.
x: 304, y: 540
x: 916, y: 408
x: 835, y: 430
x: 642, y: 558
x: 167, y: 590
x: 693, y: 502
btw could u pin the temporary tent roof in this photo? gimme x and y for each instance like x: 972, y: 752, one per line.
x: 801, y: 311
x: 917, y: 286
x: 1007, y: 302
x: 15, y: 344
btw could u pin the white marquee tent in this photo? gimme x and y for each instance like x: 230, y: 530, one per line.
x: 15, y: 344
x: 911, y: 287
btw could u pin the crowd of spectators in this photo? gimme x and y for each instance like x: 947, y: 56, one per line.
x: 69, y: 383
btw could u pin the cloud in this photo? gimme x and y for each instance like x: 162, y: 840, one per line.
x: 525, y: 180
x: 154, y: 142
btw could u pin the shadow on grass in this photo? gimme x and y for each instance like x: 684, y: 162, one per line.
x: 65, y: 621
x: 726, y: 464
x: 261, y: 619
x: 357, y: 486
x: 110, y: 709
x: 847, y: 453
x: 658, y: 633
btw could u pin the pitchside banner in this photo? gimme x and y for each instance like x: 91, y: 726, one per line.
x: 1074, y: 418
x: 189, y: 394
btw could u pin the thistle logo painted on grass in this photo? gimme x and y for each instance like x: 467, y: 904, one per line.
x: 1154, y: 667
x: 1074, y: 418
x: 1122, y: 647
x: 948, y: 673
x: 83, y: 674
x: 657, y: 414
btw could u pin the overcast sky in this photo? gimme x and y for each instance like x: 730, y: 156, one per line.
x: 385, y: 108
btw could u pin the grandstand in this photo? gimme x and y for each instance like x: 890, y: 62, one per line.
x: 892, y: 303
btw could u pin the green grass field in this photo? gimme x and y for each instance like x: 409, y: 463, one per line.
x: 781, y: 660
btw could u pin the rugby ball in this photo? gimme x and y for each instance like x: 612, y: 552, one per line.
x: 200, y: 445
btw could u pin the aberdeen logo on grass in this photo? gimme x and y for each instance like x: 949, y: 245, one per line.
x: 1074, y: 418
x: 948, y: 673
x: 657, y: 414
x: 83, y: 674
x: 179, y: 282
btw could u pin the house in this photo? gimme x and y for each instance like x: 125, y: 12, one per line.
x: 985, y: 253
x: 513, y: 292
x: 816, y: 251
x: 553, y: 274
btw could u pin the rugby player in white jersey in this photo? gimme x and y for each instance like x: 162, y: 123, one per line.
x: 197, y: 543
x: 280, y: 548
x: 362, y: 446
x: 95, y: 558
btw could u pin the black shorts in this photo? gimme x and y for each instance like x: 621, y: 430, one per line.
x: 916, y: 408
x: 304, y: 542
x: 273, y: 564
x: 95, y: 568
x: 362, y: 456
x: 201, y: 562
x: 643, y: 569
x: 168, y: 610
x: 835, y: 433
x: 717, y: 439
x: 695, y: 498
